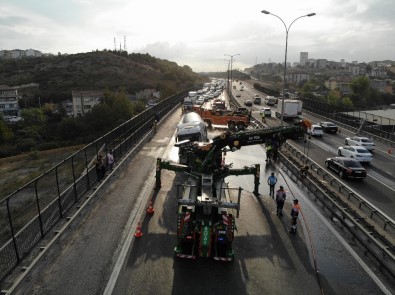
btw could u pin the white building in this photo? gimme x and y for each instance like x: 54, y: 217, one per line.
x: 84, y: 101
x: 19, y: 53
x: 9, y: 101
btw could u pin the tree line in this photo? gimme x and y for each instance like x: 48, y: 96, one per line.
x: 49, y: 127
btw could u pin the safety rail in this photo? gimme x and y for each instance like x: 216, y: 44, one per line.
x: 369, y: 209
x: 361, y: 228
x: 31, y: 212
x: 367, y: 224
x: 389, y: 141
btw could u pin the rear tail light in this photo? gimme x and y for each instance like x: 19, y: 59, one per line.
x: 348, y: 171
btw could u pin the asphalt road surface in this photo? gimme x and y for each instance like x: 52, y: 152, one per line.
x: 269, y: 260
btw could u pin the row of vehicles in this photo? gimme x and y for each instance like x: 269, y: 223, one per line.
x: 356, y: 151
x: 350, y: 157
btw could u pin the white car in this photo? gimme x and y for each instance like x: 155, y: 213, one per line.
x: 358, y: 153
x: 315, y: 130
x: 200, y: 101
x: 360, y: 141
x: 266, y: 111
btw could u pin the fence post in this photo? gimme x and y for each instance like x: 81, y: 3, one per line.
x: 87, y: 169
x: 57, y: 187
x: 18, y: 258
x: 74, y: 185
x: 38, y: 208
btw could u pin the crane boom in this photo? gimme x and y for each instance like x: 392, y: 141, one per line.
x: 205, y: 226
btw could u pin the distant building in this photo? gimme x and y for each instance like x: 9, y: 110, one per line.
x: 18, y: 53
x: 339, y: 83
x: 9, y: 101
x: 384, y: 86
x: 296, y: 78
x: 304, y: 57
x: 84, y: 101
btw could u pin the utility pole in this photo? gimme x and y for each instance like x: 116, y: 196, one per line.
x: 231, y: 74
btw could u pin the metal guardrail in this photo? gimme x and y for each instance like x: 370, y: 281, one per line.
x: 374, y: 127
x: 361, y: 227
x: 28, y: 214
x: 371, y: 211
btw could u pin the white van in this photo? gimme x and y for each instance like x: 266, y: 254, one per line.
x: 315, y: 130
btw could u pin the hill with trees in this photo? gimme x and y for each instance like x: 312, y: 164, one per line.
x: 118, y: 74
x: 57, y: 76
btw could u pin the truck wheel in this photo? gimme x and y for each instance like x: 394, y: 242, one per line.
x: 241, y: 126
x: 231, y: 125
x: 208, y: 123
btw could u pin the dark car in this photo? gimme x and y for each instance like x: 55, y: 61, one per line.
x: 346, y: 167
x: 248, y: 103
x: 329, y: 127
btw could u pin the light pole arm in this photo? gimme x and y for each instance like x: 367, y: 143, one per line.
x: 286, y: 49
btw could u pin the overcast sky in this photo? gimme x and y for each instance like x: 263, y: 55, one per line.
x: 200, y: 33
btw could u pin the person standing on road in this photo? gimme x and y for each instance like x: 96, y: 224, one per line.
x: 100, y: 168
x: 294, y: 215
x: 271, y: 181
x: 263, y: 117
x: 280, y: 200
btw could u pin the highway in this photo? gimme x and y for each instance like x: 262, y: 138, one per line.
x: 378, y: 188
x: 319, y: 259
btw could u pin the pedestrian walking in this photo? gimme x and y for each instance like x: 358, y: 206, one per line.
x: 280, y: 200
x: 271, y: 181
x: 269, y: 151
x: 100, y: 168
x: 294, y: 215
x: 110, y: 160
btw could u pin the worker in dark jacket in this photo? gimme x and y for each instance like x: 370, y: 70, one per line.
x: 280, y: 200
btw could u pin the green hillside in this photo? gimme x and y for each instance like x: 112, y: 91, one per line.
x: 57, y: 76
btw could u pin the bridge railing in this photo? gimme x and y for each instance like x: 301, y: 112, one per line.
x: 28, y: 214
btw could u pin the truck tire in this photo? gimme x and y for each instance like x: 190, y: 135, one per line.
x: 231, y: 125
x: 241, y: 126
x: 208, y: 123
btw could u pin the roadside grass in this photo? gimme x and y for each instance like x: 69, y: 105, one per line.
x: 20, y: 170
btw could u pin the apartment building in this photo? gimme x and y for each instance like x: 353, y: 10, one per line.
x: 296, y: 78
x: 9, y: 101
x: 304, y: 57
x: 384, y: 86
x: 84, y: 101
x: 18, y: 53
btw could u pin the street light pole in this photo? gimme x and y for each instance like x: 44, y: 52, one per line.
x: 286, y: 48
x: 231, y: 73
x: 228, y: 72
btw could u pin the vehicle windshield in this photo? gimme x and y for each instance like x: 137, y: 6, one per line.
x: 352, y: 164
x: 366, y: 140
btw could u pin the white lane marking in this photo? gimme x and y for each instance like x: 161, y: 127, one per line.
x: 364, y: 266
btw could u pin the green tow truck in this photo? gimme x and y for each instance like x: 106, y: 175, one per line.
x: 205, y: 223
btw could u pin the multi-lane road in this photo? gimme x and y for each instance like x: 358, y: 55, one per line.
x: 101, y: 254
x: 379, y: 186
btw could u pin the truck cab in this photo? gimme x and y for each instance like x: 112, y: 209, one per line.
x: 257, y: 99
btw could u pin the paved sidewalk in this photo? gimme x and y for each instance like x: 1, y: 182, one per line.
x: 82, y: 260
